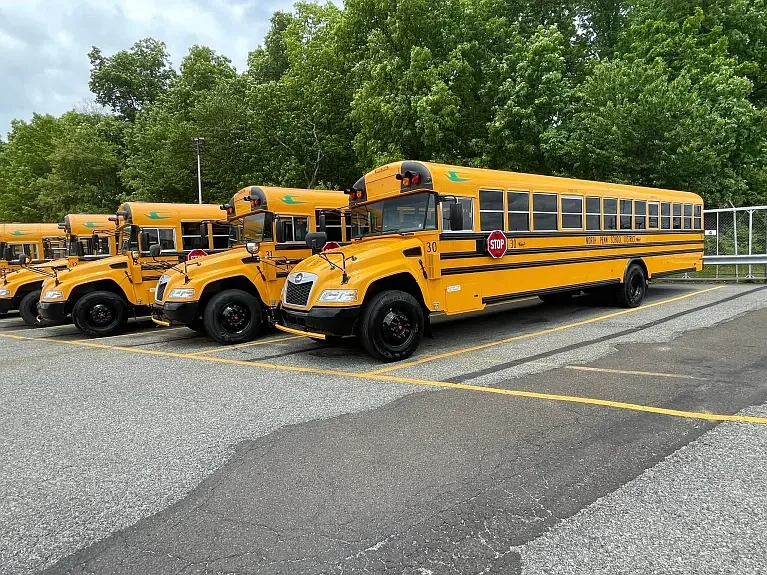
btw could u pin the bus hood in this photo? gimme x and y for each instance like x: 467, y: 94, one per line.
x: 208, y: 265
x: 359, y: 253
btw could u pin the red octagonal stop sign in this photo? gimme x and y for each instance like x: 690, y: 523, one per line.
x: 496, y: 244
x: 194, y: 254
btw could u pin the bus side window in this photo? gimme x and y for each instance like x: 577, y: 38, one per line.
x: 545, y: 213
x: 593, y: 214
x: 698, y: 218
x: 665, y: 216
x: 652, y: 222
x: 468, y: 214
x: 572, y: 212
x: 518, y: 215
x: 611, y: 214
x: 220, y: 236
x: 677, y: 216
x: 640, y: 211
x: 490, y: 210
x: 193, y: 236
x: 688, y: 216
x: 626, y: 214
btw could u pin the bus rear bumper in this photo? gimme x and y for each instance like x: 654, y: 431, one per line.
x: 52, y: 310
x: 335, y: 321
x: 175, y: 312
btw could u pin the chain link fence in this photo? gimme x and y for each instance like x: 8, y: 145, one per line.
x: 736, y: 245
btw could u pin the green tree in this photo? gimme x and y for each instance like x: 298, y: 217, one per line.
x: 131, y: 79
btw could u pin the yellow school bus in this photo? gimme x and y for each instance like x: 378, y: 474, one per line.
x: 88, y: 237
x: 431, y: 238
x: 101, y: 295
x: 232, y: 296
x: 40, y: 243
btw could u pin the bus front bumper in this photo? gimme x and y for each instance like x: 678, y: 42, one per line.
x: 319, y: 321
x: 52, y: 310
x: 6, y: 304
x: 183, y: 312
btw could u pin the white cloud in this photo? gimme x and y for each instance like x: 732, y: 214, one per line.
x: 44, y: 43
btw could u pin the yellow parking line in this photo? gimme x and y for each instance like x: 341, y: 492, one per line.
x: 630, y: 372
x: 536, y: 334
x: 132, y: 333
x: 249, y: 344
x: 423, y: 382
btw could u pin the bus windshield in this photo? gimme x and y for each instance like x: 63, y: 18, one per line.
x: 399, y: 214
x: 253, y: 228
x: 88, y: 246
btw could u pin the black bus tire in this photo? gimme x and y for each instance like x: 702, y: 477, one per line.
x: 28, y: 310
x: 392, y: 325
x: 233, y: 316
x: 100, y: 313
x: 631, y: 292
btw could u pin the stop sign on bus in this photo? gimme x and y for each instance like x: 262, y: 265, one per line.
x: 194, y: 254
x: 496, y: 244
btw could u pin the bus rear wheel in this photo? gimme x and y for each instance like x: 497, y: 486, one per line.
x: 28, y: 310
x: 100, y: 313
x: 634, y: 287
x: 392, y: 325
x: 233, y: 316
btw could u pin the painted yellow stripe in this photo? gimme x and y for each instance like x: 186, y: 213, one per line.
x: 238, y: 346
x: 537, y: 333
x: 423, y: 382
x: 631, y: 372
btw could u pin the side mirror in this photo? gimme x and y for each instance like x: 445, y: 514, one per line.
x: 251, y: 248
x: 7, y: 254
x: 456, y: 216
x: 144, y: 240
x: 23, y: 259
x: 321, y: 223
x: 155, y: 250
x: 316, y: 240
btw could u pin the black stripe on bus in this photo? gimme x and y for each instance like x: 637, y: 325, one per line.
x: 558, y: 262
x: 673, y: 272
x: 556, y: 234
x: 518, y: 295
x: 556, y: 249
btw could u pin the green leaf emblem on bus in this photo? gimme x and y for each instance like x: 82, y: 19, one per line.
x: 454, y: 177
x: 291, y: 201
x: 91, y: 224
x: 19, y: 233
x: 156, y: 216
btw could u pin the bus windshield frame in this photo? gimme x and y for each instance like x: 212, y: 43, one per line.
x: 385, y: 216
x: 246, y: 228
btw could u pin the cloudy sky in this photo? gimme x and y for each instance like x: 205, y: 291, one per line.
x: 44, y: 43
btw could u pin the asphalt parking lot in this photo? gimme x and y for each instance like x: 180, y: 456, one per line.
x: 526, y: 439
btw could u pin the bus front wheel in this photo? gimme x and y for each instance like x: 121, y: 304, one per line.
x: 392, y: 325
x: 233, y: 316
x: 634, y: 287
x: 100, y: 313
x: 28, y: 310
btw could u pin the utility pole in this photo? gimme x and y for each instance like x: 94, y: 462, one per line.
x: 198, y: 142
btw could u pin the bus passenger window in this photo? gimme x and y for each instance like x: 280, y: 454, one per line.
x: 593, y: 214
x: 192, y: 236
x: 490, y: 210
x: 166, y: 237
x: 698, y: 218
x: 572, y: 212
x: 518, y: 211
x: 611, y: 213
x: 677, y: 216
x: 545, y: 212
x: 468, y: 215
x: 640, y: 211
x: 652, y: 222
x: 688, y: 216
x: 625, y: 214
x: 665, y: 216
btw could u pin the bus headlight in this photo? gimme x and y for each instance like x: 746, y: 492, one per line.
x: 53, y: 294
x: 5, y: 292
x: 339, y: 295
x: 181, y: 293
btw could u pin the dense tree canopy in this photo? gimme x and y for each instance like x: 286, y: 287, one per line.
x: 643, y: 92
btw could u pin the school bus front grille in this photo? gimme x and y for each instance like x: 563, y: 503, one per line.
x: 298, y: 294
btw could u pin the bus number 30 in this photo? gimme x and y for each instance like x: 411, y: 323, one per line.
x: 431, y: 247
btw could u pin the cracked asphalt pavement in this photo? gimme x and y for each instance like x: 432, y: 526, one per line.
x: 118, y: 460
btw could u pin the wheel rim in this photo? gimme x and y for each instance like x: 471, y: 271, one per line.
x: 101, y: 314
x: 235, y: 318
x: 397, y: 328
x: 636, y: 287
